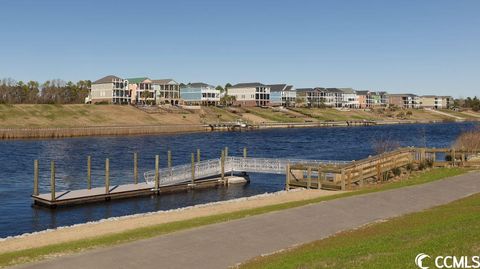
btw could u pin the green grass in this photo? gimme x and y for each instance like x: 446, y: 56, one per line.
x: 271, y: 115
x: 28, y: 255
x: 452, y: 229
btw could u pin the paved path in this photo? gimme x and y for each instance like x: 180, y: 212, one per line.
x: 225, y: 244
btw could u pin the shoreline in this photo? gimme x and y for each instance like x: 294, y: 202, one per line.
x: 129, y: 222
x: 93, y: 131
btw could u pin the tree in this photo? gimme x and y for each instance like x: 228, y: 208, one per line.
x: 220, y: 88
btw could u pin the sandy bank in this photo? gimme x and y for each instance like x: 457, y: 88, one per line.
x: 116, y: 225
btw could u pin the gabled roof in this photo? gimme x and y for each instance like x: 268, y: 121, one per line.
x: 277, y: 87
x: 305, y: 90
x: 164, y: 81
x: 363, y: 92
x: 107, y: 79
x: 288, y: 88
x: 198, y: 85
x: 248, y: 85
x: 402, y: 94
x: 136, y: 80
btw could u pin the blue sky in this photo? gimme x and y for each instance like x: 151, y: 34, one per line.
x: 425, y: 47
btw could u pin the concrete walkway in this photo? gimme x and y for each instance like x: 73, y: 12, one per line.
x: 226, y: 244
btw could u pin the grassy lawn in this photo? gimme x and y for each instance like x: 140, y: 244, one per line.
x: 271, y: 115
x: 452, y: 229
x: 28, y: 255
x: 336, y: 115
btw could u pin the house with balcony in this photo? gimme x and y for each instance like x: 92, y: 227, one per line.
x: 166, y: 91
x: 369, y: 99
x: 343, y: 97
x: 404, y: 100
x: 200, y: 94
x: 435, y: 102
x: 110, y: 89
x: 142, y: 91
x: 282, y: 95
x: 250, y: 94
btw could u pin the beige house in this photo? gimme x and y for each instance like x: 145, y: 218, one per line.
x: 250, y: 94
x: 142, y: 92
x: 167, y: 91
x: 110, y: 89
x: 435, y: 102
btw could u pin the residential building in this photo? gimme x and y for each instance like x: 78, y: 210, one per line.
x: 343, y: 97
x: 404, y: 100
x: 200, y: 94
x: 167, y: 91
x: 368, y: 99
x: 435, y: 102
x: 110, y: 89
x: 315, y: 97
x: 250, y: 94
x: 142, y: 91
x: 282, y: 95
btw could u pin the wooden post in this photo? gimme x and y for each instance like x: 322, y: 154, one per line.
x: 222, y: 166
x: 226, y: 152
x: 89, y: 172
x: 135, y: 167
x: 361, y: 176
x: 349, y: 179
x: 319, y: 178
x: 157, y: 172
x: 342, y: 179
x: 464, y: 159
x: 309, y: 177
x: 52, y: 180
x: 287, y: 178
x: 379, y: 172
x: 245, y: 152
x: 35, y: 177
x: 193, y: 168
x: 198, y: 155
x: 453, y: 157
x: 169, y: 160
x: 107, y: 176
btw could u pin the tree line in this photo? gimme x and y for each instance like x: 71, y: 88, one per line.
x: 50, y: 92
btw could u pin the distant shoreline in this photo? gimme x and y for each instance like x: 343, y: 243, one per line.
x: 92, y: 131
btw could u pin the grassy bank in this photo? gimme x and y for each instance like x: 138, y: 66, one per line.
x: 452, y: 229
x: 147, y: 232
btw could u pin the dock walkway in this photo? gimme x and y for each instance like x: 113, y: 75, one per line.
x: 226, y: 244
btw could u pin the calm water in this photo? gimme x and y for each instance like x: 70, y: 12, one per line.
x: 17, y: 216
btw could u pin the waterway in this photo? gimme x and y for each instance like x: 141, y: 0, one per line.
x: 17, y: 216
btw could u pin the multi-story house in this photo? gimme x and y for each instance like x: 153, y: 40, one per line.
x: 404, y: 100
x: 142, y: 91
x: 110, y: 89
x: 343, y: 97
x: 282, y: 95
x: 200, y: 94
x: 435, y: 102
x: 250, y: 94
x: 315, y: 97
x: 368, y: 99
x: 166, y: 91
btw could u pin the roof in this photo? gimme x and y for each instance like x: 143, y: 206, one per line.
x: 198, y: 85
x: 136, y: 80
x: 163, y: 81
x: 277, y: 87
x: 107, y: 79
x: 288, y: 88
x: 248, y: 85
x: 402, y: 94
x: 363, y: 92
x: 305, y: 90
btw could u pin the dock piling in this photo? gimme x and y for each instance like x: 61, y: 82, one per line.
x: 157, y: 172
x: 222, y: 166
x: 193, y: 167
x: 245, y: 152
x: 309, y: 177
x: 107, y: 176
x: 135, y: 168
x: 198, y: 155
x: 35, y: 177
x: 287, y: 177
x: 52, y: 180
x: 89, y: 172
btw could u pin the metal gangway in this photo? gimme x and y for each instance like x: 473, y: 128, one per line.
x: 210, y: 168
